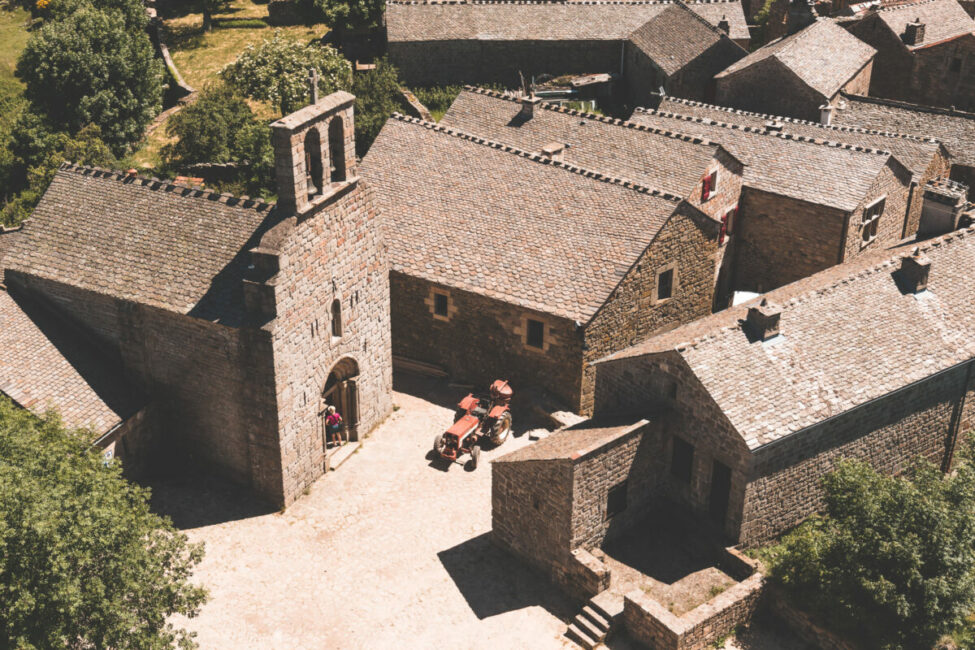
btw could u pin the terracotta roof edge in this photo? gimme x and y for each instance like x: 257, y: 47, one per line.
x: 536, y: 157
x: 130, y: 177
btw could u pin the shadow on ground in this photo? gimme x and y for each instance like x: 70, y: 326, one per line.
x: 196, y: 501
x: 494, y: 582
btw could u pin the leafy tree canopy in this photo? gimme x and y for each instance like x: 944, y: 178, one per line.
x: 276, y: 71
x: 84, y: 563
x: 342, y: 15
x: 89, y: 67
x: 376, y: 98
x: 893, y: 561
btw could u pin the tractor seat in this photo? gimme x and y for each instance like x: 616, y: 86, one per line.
x: 479, y: 411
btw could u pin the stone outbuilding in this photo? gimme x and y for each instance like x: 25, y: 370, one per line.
x: 953, y: 127
x: 927, y: 158
x: 235, y: 320
x: 515, y: 263
x: 797, y: 74
x: 487, y: 42
x: 925, y: 52
x: 737, y: 416
x: 788, y: 225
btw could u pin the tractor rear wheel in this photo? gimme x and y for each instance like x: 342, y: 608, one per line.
x: 475, y: 456
x: 501, y: 429
x: 438, y: 444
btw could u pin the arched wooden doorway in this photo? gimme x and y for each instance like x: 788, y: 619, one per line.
x: 342, y: 391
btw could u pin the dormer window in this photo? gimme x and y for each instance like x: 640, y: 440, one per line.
x: 870, y: 220
x: 727, y: 224
x: 709, y: 188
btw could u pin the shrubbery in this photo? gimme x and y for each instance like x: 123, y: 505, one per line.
x: 892, y: 562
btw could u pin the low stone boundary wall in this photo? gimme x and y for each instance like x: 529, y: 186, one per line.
x: 650, y: 623
x: 585, y: 576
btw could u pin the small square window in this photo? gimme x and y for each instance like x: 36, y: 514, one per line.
x: 616, y: 500
x: 536, y: 334
x: 440, y: 304
x: 682, y: 460
x: 665, y: 284
x: 955, y: 65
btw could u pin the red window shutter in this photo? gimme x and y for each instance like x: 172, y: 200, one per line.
x: 706, y: 188
x: 733, y: 222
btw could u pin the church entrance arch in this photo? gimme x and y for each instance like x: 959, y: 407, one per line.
x: 342, y: 391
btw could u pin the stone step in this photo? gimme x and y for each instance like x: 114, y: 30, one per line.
x: 599, y: 621
x: 590, y: 628
x: 338, y: 456
x: 578, y: 635
x: 608, y: 604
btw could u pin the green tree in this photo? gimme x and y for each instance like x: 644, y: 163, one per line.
x: 892, y: 562
x: 276, y: 71
x: 345, y: 15
x: 376, y: 97
x: 220, y: 127
x: 84, y: 562
x: 90, y: 68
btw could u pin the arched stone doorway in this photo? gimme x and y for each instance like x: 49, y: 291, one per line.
x: 342, y: 391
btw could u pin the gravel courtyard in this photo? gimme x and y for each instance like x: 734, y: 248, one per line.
x: 390, y: 550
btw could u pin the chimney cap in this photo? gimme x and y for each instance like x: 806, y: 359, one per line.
x: 553, y: 149
x: 773, y: 125
x: 914, y: 271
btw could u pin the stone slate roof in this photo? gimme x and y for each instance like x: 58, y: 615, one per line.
x: 675, y: 37
x: 491, y: 219
x: 670, y: 161
x: 823, y: 55
x: 915, y: 152
x: 541, y: 21
x: 44, y: 363
x: 575, y: 441
x: 150, y: 242
x: 955, y: 128
x: 819, y: 171
x: 7, y: 239
x: 847, y: 336
x: 943, y: 20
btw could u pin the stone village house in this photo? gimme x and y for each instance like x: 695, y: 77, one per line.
x: 520, y: 264
x: 925, y: 52
x: 953, y: 127
x: 649, y: 44
x: 807, y: 203
x: 205, y: 327
x: 797, y: 74
x: 736, y: 416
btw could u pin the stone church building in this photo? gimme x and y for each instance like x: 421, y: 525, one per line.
x: 182, y: 323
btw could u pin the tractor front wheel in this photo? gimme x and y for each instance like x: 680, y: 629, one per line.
x: 439, y: 444
x: 501, y: 429
x: 475, y: 456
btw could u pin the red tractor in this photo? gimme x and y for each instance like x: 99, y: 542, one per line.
x: 480, y: 417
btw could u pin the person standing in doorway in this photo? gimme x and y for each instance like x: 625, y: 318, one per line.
x: 333, y: 424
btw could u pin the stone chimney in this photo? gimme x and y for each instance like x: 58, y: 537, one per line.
x: 763, y: 321
x: 553, y: 151
x: 724, y: 25
x: 528, y: 105
x: 826, y: 114
x: 914, y: 32
x: 915, y: 269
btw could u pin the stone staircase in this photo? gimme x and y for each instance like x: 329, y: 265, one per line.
x: 590, y: 626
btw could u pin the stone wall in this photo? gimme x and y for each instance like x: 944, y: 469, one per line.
x: 769, y: 87
x: 634, y: 458
x: 781, y: 240
x: 696, y: 79
x: 499, y: 62
x: 483, y: 339
x: 663, y: 384
x: 859, y: 84
x: 888, y: 433
x: 651, y: 624
x: 334, y: 253
x: 804, y: 625
x: 212, y: 384
x: 894, y: 184
x: 688, y: 245
x: 531, y: 505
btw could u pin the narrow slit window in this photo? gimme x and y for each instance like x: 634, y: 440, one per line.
x: 682, y: 460
x: 336, y: 318
x: 440, y: 304
x: 536, y: 334
x: 616, y: 500
x: 665, y: 284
